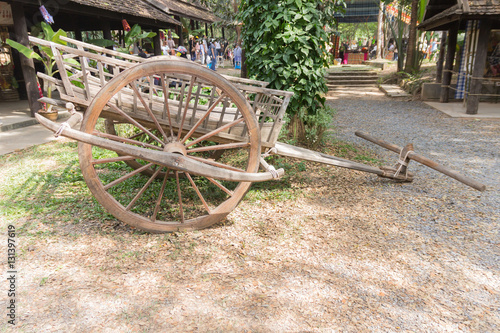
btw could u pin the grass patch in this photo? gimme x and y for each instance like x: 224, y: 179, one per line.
x: 42, y: 187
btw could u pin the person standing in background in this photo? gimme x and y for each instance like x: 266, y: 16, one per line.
x: 197, y: 49
x: 191, y: 47
x: 171, y: 45
x: 213, y: 54
x: 204, y: 49
x: 217, y: 48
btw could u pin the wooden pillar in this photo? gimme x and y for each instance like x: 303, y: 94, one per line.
x: 479, y: 65
x: 106, y: 31
x: 206, y: 29
x: 78, y: 34
x: 197, y: 25
x: 442, y: 50
x: 157, y: 42
x: 27, y: 65
x: 448, y: 66
x: 77, y: 29
x: 212, y: 31
x: 179, y: 30
x: 121, y: 36
x: 380, y: 31
x: 223, y: 34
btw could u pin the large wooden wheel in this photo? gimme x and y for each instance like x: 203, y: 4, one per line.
x: 177, y: 107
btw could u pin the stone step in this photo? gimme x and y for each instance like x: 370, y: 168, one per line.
x: 352, y: 73
x: 21, y: 124
x: 352, y: 85
x: 353, y: 78
x: 352, y: 82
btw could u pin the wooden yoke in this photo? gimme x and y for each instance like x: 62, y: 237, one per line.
x: 400, y: 170
x: 425, y: 161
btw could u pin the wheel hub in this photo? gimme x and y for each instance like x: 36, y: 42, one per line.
x: 176, y: 148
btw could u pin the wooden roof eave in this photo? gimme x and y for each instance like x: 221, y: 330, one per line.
x: 439, y: 24
x: 79, y: 9
x: 185, y: 9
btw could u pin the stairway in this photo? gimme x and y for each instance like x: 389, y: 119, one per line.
x: 352, y: 77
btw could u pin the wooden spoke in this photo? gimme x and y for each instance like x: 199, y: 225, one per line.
x: 166, y: 106
x: 125, y: 140
x: 215, y: 132
x: 191, y: 83
x: 113, y: 159
x: 148, y: 109
x: 143, y: 189
x: 160, y: 196
x: 137, y: 135
x: 179, y: 194
x: 214, y: 163
x: 127, y: 176
x: 219, y: 147
x: 198, y: 192
x: 219, y: 185
x: 133, y: 121
x: 199, y: 122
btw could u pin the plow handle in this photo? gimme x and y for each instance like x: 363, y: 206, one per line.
x: 425, y: 161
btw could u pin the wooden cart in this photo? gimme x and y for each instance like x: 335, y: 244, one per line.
x: 166, y: 144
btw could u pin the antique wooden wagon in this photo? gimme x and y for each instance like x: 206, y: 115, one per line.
x: 166, y: 144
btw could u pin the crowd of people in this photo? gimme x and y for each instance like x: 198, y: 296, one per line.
x: 203, y: 50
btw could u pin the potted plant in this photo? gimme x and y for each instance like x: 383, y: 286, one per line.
x: 45, y: 56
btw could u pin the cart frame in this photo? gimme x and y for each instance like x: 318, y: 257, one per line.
x: 171, y: 120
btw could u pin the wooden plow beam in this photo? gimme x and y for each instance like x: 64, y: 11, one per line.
x: 407, y: 154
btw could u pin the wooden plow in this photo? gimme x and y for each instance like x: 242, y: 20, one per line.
x: 166, y: 144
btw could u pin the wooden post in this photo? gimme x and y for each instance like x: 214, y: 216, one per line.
x: 106, y: 32
x: 448, y: 67
x: 77, y: 29
x: 380, y: 31
x: 442, y: 50
x: 479, y: 65
x: 206, y: 29
x: 27, y: 65
x: 157, y: 42
x: 179, y: 30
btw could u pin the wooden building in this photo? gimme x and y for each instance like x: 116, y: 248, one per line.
x: 480, y: 20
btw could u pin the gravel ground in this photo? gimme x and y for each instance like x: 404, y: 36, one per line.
x: 334, y: 250
x: 460, y: 222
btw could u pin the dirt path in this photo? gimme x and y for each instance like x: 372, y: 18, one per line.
x: 329, y: 250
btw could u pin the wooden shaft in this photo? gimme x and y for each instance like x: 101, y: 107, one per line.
x: 170, y: 160
x: 425, y: 161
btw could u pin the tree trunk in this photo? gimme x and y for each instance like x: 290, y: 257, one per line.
x: 410, y: 65
x: 244, y: 71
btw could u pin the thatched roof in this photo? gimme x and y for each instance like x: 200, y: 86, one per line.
x: 186, y: 9
x: 90, y: 14
x: 440, y: 14
x: 136, y: 8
